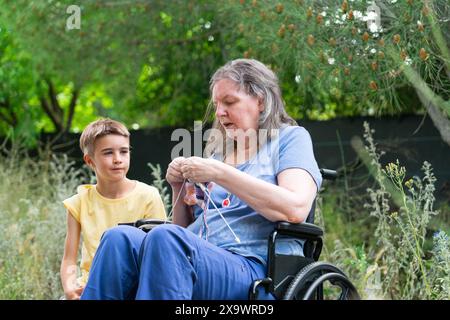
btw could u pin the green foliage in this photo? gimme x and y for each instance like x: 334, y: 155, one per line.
x: 158, y: 183
x: 173, y: 86
x: 440, y: 274
x: 327, y: 51
x: 17, y: 80
x: 21, y: 91
x: 99, y: 49
x: 396, y: 261
x: 150, y: 59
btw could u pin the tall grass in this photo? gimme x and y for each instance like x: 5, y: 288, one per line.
x: 32, y: 221
x: 400, y: 261
x: 158, y: 183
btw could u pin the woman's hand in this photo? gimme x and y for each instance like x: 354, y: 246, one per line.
x: 197, y: 169
x: 174, y: 175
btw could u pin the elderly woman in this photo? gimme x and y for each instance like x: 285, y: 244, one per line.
x: 260, y: 169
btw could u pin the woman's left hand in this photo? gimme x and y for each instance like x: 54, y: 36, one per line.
x: 197, y: 169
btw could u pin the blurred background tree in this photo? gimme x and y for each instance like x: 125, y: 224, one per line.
x: 366, y: 57
x: 148, y: 63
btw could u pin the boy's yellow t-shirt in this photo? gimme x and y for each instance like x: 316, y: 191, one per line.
x: 96, y: 214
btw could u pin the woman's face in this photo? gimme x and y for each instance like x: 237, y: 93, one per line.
x: 235, y: 109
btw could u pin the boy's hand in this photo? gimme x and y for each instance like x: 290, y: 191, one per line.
x: 174, y: 175
x: 74, y: 294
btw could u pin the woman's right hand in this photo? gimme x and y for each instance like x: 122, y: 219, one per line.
x: 174, y: 175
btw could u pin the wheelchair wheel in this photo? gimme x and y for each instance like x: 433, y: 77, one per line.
x: 310, y: 280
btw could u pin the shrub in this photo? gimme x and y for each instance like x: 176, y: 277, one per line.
x: 396, y: 264
x: 32, y: 222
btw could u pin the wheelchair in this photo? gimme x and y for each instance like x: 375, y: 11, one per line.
x: 294, y: 277
x: 302, y: 278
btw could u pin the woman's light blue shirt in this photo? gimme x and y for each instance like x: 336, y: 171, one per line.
x: 291, y: 149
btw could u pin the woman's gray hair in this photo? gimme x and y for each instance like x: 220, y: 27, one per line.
x: 256, y: 80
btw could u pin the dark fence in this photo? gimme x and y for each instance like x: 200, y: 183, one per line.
x: 410, y: 139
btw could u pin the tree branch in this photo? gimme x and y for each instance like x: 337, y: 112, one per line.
x: 54, y: 102
x: 441, y: 122
x: 52, y: 116
x: 72, y: 105
x: 5, y: 119
x: 436, y: 106
x: 421, y: 86
x: 438, y: 36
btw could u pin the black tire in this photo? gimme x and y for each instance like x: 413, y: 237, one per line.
x: 311, y: 278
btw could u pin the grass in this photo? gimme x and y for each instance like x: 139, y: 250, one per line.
x: 32, y: 222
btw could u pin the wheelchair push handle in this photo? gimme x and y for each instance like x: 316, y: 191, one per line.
x: 146, y: 224
x: 328, y: 174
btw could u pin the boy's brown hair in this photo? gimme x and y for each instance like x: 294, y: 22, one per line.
x: 100, y: 128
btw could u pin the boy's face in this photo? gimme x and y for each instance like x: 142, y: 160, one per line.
x: 111, y: 158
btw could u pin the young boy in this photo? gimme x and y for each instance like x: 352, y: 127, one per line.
x: 114, y: 199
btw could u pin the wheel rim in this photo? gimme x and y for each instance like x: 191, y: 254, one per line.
x: 310, y: 280
x: 348, y: 291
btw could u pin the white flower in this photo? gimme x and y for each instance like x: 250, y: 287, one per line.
x: 408, y: 61
x: 373, y: 50
x: 373, y: 27
x: 135, y: 126
x: 372, y: 15
x: 298, y: 78
x: 331, y: 60
x: 207, y: 25
x: 357, y: 14
x: 211, y: 38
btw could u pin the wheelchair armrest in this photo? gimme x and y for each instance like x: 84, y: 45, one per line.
x: 328, y: 174
x: 145, y: 224
x: 304, y: 231
x: 299, y: 230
